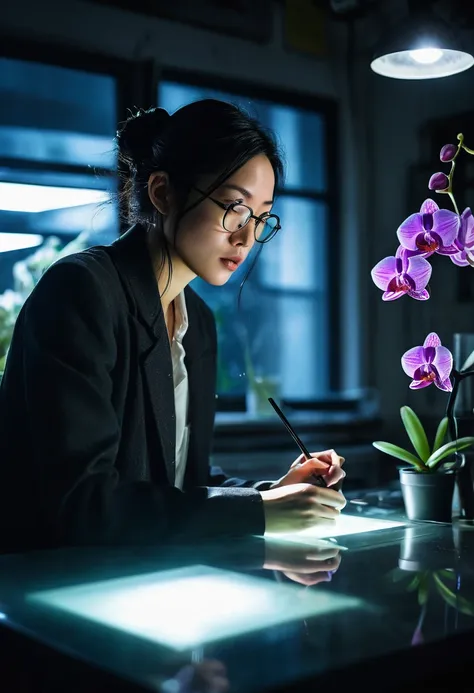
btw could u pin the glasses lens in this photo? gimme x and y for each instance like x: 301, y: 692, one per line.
x: 236, y: 217
x: 267, y: 228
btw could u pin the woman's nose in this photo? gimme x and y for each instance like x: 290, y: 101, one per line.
x: 243, y: 236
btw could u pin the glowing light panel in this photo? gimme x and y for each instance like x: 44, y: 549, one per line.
x: 343, y: 526
x: 19, y: 241
x: 188, y: 607
x: 23, y: 197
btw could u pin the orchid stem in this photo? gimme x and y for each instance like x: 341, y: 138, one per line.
x: 450, y: 406
x: 454, y: 203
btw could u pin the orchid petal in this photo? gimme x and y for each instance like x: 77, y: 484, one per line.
x: 460, y: 259
x: 429, y: 206
x: 412, y: 360
x: 448, y: 249
x: 444, y: 385
x: 409, y: 230
x: 446, y: 224
x: 383, y: 272
x: 443, y: 362
x: 419, y: 295
x: 467, y: 221
x: 430, y: 353
x: 419, y: 384
x: 392, y: 295
x: 432, y: 340
x: 419, y: 270
x: 470, y: 258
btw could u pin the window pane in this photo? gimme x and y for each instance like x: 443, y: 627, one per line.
x: 295, y: 258
x: 51, y: 117
x: 56, y: 114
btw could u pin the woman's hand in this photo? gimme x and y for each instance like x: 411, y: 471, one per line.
x: 305, y: 565
x: 299, y: 506
x: 327, y: 464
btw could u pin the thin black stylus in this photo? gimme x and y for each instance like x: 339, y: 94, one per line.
x: 318, y: 480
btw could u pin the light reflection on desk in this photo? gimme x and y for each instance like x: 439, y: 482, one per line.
x: 191, y: 606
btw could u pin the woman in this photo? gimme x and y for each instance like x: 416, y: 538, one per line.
x: 108, y: 397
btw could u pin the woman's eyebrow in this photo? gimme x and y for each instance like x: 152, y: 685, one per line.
x: 245, y: 193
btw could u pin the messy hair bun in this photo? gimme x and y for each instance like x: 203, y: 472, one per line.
x: 139, y: 134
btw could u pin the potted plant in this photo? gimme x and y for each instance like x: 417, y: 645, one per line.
x: 428, y: 484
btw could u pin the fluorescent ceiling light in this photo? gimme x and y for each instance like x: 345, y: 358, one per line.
x: 421, y: 47
x: 22, y: 197
x: 19, y: 241
x: 189, y: 607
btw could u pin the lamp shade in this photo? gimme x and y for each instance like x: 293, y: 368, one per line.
x: 423, y: 47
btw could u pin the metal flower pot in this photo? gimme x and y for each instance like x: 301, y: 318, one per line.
x: 428, y: 496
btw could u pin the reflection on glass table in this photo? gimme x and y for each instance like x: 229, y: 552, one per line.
x: 343, y: 526
x: 192, y: 606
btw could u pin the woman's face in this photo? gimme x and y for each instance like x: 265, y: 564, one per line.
x: 201, y: 241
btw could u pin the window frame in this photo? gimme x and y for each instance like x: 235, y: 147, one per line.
x: 328, y: 109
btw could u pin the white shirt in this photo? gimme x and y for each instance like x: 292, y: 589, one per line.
x: 181, y: 389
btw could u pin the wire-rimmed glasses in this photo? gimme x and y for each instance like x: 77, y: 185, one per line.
x: 237, y: 215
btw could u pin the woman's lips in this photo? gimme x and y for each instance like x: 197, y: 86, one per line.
x: 229, y: 264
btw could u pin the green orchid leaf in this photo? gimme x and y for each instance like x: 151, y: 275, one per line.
x: 440, y: 434
x: 424, y: 589
x: 416, y: 432
x: 455, y: 600
x: 413, y: 584
x: 398, y: 575
x: 449, y: 449
x: 446, y: 574
x: 399, y: 453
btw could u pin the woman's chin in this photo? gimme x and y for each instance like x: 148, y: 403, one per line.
x: 216, y: 281
x: 216, y: 278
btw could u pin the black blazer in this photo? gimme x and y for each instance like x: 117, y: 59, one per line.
x: 87, y: 419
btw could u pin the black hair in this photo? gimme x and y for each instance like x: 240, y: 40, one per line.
x: 202, y: 138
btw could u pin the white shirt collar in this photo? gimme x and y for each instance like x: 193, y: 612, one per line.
x: 181, y: 317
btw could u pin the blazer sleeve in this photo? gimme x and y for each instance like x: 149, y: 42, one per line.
x: 68, y: 337
x: 218, y: 478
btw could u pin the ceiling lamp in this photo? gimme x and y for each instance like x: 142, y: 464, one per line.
x: 421, y: 47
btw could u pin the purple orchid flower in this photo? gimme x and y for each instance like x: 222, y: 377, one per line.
x: 404, y: 273
x: 431, y: 230
x: 464, y: 242
x: 430, y: 363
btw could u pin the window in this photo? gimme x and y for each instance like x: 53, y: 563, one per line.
x: 285, y: 318
x: 56, y: 168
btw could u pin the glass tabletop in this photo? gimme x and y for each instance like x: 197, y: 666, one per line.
x: 270, y: 611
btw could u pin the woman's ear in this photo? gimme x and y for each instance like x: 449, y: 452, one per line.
x: 159, y: 191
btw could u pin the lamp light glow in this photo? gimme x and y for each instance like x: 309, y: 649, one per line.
x: 426, y: 56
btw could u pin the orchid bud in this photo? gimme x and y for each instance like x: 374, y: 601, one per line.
x: 438, y: 181
x: 448, y: 152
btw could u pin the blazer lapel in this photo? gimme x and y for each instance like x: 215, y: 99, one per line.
x: 131, y: 256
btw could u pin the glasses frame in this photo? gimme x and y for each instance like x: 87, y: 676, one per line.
x: 261, y: 219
